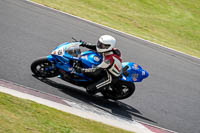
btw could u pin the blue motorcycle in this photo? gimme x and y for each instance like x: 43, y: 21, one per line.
x: 61, y: 63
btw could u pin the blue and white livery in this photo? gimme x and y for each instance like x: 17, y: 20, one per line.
x: 62, y: 59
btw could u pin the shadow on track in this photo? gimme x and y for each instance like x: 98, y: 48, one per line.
x: 116, y: 108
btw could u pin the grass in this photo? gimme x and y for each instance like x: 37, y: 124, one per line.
x: 23, y: 116
x: 171, y: 23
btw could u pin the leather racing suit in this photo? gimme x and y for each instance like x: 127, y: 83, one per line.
x: 109, y: 68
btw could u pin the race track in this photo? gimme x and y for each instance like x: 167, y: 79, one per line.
x: 169, y: 98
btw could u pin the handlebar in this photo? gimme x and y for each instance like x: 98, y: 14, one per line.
x: 74, y: 39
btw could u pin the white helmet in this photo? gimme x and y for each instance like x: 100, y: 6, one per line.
x: 105, y: 43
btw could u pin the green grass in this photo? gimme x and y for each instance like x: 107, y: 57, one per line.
x: 23, y: 116
x: 171, y: 23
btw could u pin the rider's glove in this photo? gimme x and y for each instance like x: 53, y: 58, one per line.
x: 83, y: 43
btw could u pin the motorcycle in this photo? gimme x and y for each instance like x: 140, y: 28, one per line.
x: 60, y: 63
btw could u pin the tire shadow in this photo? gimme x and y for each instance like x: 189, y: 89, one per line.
x: 116, y: 108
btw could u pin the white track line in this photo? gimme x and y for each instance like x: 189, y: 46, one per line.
x: 111, y: 29
x: 116, y: 122
x: 80, y: 107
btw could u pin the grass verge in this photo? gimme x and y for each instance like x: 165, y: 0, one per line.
x: 171, y: 23
x: 24, y: 116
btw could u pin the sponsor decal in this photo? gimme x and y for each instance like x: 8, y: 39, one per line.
x: 135, y: 66
x: 96, y: 58
x: 143, y: 73
x: 70, y: 69
x: 60, y: 52
x: 134, y: 77
x: 85, y: 57
x: 54, y: 52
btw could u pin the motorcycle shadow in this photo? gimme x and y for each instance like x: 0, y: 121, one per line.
x: 116, y: 108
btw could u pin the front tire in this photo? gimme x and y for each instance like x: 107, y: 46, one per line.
x: 121, y: 91
x: 44, y: 68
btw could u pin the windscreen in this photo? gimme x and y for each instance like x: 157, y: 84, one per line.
x: 73, y: 51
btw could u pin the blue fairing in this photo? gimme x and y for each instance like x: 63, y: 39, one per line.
x: 60, y: 62
x: 135, y: 72
x: 91, y: 59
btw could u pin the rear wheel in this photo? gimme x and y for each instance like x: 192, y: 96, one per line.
x: 119, y: 91
x: 44, y: 68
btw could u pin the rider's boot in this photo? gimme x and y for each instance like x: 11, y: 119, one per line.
x: 91, y: 90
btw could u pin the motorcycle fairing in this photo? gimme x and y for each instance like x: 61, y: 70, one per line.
x: 135, y: 72
x: 67, y: 67
x: 91, y: 59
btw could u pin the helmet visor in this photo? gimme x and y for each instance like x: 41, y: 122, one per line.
x: 102, y: 45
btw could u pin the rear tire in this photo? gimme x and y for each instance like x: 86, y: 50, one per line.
x: 121, y: 91
x: 44, y: 68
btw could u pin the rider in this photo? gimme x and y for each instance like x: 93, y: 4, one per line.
x: 110, y: 66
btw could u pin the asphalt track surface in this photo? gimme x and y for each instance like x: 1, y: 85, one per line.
x: 169, y: 98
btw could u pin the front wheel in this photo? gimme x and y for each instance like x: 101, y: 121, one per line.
x: 44, y: 68
x: 119, y: 91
